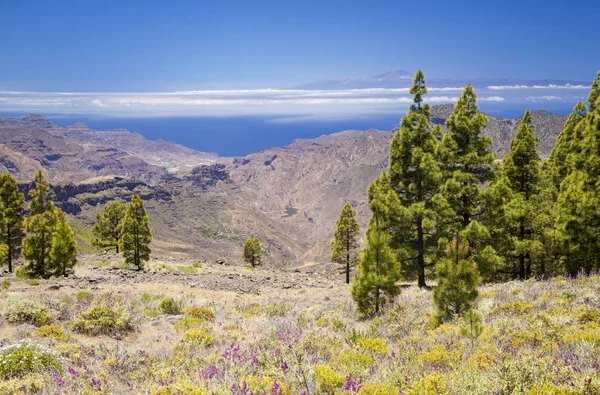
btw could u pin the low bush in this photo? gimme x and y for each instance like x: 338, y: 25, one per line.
x: 171, y: 306
x: 5, y: 284
x: 200, y: 313
x: 28, y: 311
x: 328, y: 380
x: 105, y: 316
x: 54, y: 331
x: 198, y: 337
x: 22, y: 358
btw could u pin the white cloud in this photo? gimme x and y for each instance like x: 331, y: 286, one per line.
x: 542, y: 98
x: 98, y: 103
x: 492, y: 98
x: 550, y: 86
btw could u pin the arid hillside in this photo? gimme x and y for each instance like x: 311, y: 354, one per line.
x: 203, y: 206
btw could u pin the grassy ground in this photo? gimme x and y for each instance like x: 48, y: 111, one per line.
x: 154, y: 337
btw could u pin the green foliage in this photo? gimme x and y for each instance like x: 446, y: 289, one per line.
x: 40, y: 227
x: 53, y: 330
x: 23, y: 358
x: 198, y: 337
x: 105, y: 316
x: 107, y: 229
x: 414, y: 175
x: 252, y: 252
x: 28, y: 311
x: 344, y: 247
x: 171, y: 306
x: 136, y: 235
x: 63, y: 253
x: 5, y: 284
x: 466, y: 159
x: 471, y: 326
x: 201, y: 313
x: 11, y: 201
x: 378, y: 271
x: 328, y: 380
x: 457, y: 279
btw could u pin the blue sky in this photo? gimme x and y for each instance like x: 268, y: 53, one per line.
x: 146, y: 46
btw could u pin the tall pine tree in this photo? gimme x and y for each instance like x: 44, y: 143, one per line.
x: 345, y: 243
x: 415, y: 177
x: 378, y: 269
x: 63, y: 254
x: 107, y: 229
x: 40, y: 226
x: 466, y: 159
x: 522, y: 168
x: 136, y: 234
x: 577, y: 210
x: 12, y: 202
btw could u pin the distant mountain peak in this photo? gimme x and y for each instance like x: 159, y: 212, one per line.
x: 78, y: 125
x: 394, y: 75
x: 39, y: 121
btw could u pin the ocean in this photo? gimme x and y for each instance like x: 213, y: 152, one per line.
x: 239, y: 136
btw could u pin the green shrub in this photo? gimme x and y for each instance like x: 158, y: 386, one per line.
x: 21, y: 272
x: 201, y: 313
x: 53, y: 330
x: 20, y: 359
x: 106, y: 315
x: 327, y: 380
x: 276, y: 309
x: 34, y: 282
x: 171, y: 306
x: 198, y: 337
x: 5, y: 284
x: 189, y: 323
x: 186, y: 269
x: 28, y: 311
x: 84, y: 295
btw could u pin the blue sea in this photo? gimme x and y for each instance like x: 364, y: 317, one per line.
x: 239, y: 136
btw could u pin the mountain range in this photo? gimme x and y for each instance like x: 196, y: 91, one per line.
x: 204, y: 206
x: 403, y: 79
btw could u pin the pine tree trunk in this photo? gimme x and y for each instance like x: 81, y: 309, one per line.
x: 348, y: 268
x: 522, y: 256
x: 377, y: 299
x: 421, y: 254
x: 10, y: 249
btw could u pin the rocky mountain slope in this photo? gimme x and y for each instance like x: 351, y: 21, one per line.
x: 289, y: 197
x: 77, y: 153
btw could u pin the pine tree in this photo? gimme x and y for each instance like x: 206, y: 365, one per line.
x: 252, y: 252
x: 63, y: 254
x: 40, y: 201
x: 567, y: 148
x: 378, y: 271
x: 577, y: 210
x: 107, y: 229
x: 466, y: 159
x: 415, y: 177
x: 12, y: 203
x: 522, y: 169
x: 40, y: 226
x: 345, y: 244
x: 136, y: 234
x: 594, y: 93
x: 457, y: 280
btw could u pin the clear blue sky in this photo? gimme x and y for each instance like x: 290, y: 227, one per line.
x: 181, y: 45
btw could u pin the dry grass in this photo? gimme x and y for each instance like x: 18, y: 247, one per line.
x: 538, y: 337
